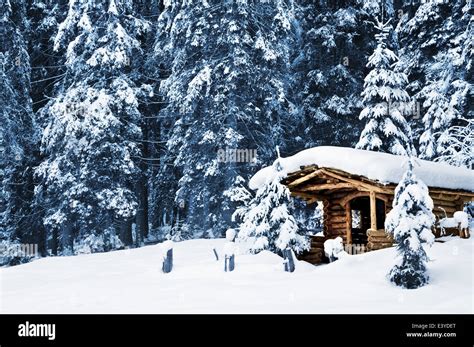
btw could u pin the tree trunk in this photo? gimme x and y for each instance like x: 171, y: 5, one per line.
x: 66, y: 239
x: 126, y: 232
x: 54, y: 242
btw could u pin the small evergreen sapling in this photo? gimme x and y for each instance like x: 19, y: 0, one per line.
x: 410, y: 223
x: 267, y: 220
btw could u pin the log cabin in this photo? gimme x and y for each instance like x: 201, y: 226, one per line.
x: 356, y: 189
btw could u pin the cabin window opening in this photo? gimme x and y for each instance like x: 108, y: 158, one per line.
x: 356, y: 217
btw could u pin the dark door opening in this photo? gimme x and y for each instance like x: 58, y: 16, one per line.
x: 360, y: 216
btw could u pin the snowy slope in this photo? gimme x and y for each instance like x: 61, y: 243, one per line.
x: 130, y: 281
x: 382, y: 167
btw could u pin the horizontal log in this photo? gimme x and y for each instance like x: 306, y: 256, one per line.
x: 449, y: 211
x: 312, y: 256
x: 376, y: 246
x: 380, y: 244
x: 379, y: 240
x: 335, y: 208
x: 304, y: 178
x: 378, y: 232
x: 445, y: 203
x: 445, y: 194
x: 337, y: 225
x: 325, y: 186
x: 380, y: 236
x: 318, y: 237
x: 337, y: 218
x: 337, y: 195
x: 337, y: 233
x: 359, y: 184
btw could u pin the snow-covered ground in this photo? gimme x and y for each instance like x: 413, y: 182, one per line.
x: 131, y: 281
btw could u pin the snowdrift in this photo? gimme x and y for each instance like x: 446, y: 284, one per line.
x: 131, y: 281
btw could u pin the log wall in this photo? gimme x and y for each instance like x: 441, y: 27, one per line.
x: 336, y: 224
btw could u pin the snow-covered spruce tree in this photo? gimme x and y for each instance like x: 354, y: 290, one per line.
x: 439, y: 115
x: 226, y: 90
x: 386, y: 101
x: 436, y: 53
x: 46, y: 67
x: 457, y: 144
x: 266, y: 220
x: 91, y: 128
x: 446, y: 93
x: 410, y: 222
x: 331, y: 46
x: 17, y: 131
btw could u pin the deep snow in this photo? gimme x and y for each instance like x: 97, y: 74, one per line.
x: 131, y: 281
x: 378, y: 166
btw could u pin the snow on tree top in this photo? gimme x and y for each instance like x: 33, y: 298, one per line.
x: 382, y: 167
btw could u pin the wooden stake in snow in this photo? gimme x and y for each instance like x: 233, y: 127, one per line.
x: 229, y: 264
x: 288, y: 262
x: 167, y: 249
x: 229, y: 251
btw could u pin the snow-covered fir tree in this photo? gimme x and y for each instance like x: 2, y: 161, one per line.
x: 75, y: 106
x: 46, y: 65
x: 438, y: 117
x: 386, y: 101
x: 226, y: 90
x: 17, y: 130
x: 457, y: 144
x: 446, y: 93
x: 436, y: 53
x: 267, y: 222
x: 329, y: 49
x: 410, y: 222
x: 91, y: 128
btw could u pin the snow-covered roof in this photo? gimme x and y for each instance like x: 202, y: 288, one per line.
x: 382, y: 167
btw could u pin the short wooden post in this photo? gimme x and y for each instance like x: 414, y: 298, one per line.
x: 215, y: 253
x: 167, y: 249
x: 168, y: 261
x: 289, y: 263
x: 229, y: 251
x: 229, y: 264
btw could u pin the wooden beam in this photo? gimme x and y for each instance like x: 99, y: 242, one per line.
x: 338, y: 219
x: 445, y: 197
x: 348, y: 223
x: 327, y: 186
x: 303, y: 179
x: 373, y: 211
x: 343, y: 201
x: 307, y: 195
x: 462, y: 194
x: 312, y: 201
x: 358, y: 183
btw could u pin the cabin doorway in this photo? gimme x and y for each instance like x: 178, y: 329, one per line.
x: 360, y: 218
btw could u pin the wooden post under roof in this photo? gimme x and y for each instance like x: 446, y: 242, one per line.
x: 348, y: 223
x: 373, y: 213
